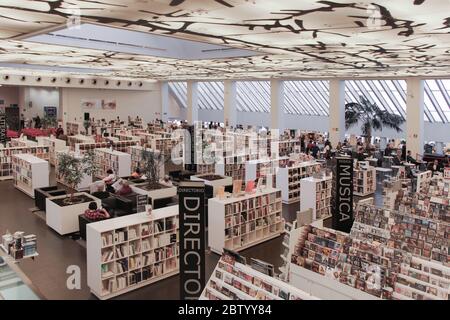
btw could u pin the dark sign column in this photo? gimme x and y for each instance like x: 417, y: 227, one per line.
x: 343, y: 197
x: 2, y: 128
x: 192, y: 239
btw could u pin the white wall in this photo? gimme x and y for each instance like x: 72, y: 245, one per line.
x: 9, y: 95
x: 144, y: 104
x: 34, y: 99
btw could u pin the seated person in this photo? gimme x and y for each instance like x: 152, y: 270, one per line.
x: 435, y: 166
x: 124, y: 188
x: 388, y: 150
x: 397, y: 160
x: 360, y: 155
x: 137, y: 173
x: 93, y: 213
x: 109, y: 181
x: 409, y: 158
x: 166, y: 181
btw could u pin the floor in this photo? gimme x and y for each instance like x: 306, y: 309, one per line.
x: 56, y: 253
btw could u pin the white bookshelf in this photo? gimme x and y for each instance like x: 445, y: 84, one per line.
x: 288, y: 179
x: 261, y: 168
x: 447, y: 173
x: 54, y: 146
x: 119, y: 162
x: 239, y: 223
x: 6, y: 155
x: 423, y: 179
x: 148, y: 246
x: 73, y: 128
x: 316, y: 195
x: 215, y: 184
x: 251, y: 284
x: 364, y: 181
x: 29, y: 173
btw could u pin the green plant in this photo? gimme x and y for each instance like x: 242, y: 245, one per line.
x: 151, y: 165
x: 49, y: 122
x: 371, y: 117
x: 72, y: 169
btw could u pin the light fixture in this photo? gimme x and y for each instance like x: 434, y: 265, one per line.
x: 6, y: 77
x: 68, y: 80
x: 38, y: 79
x: 130, y: 84
x: 118, y: 83
x: 94, y: 82
x: 53, y: 80
x: 106, y: 82
x: 81, y: 81
x: 23, y: 78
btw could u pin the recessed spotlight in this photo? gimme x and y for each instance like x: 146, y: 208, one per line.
x: 68, y: 80
x: 94, y: 82
x: 6, y: 77
x: 106, y: 82
x: 23, y: 78
x: 118, y: 83
x: 130, y: 84
x: 140, y: 84
x: 53, y: 80
x: 38, y: 79
x: 81, y: 81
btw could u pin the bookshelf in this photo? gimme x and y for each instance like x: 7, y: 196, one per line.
x: 238, y: 223
x: 237, y: 281
x: 29, y: 173
x: 255, y: 169
x: 127, y: 253
x: 122, y: 146
x: 119, y: 162
x: 286, y: 147
x: 72, y: 141
x: 233, y: 166
x: 422, y: 180
x: 73, y: 128
x: 136, y: 159
x: 316, y: 194
x: 364, y: 181
x: 288, y: 179
x: 447, y: 173
x: 54, y: 146
x: 6, y: 154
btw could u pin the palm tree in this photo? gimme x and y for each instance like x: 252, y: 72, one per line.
x: 371, y: 117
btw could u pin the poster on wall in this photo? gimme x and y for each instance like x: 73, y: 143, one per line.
x: 192, y: 238
x: 343, y: 197
x: 91, y: 104
x: 109, y: 104
x: 50, y: 112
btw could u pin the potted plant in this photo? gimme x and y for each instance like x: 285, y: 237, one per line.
x: 72, y: 169
x: 371, y: 117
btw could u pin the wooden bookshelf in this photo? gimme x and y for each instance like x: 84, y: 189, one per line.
x: 237, y: 281
x: 133, y: 251
x: 288, y: 179
x: 238, y: 223
x: 6, y: 154
x: 316, y: 195
x: 119, y: 162
x: 29, y: 173
x: 364, y: 181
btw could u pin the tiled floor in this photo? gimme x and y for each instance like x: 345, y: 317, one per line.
x: 56, y: 253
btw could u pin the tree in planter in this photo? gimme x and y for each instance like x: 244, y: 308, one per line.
x: 371, y: 118
x: 72, y: 169
x: 150, y: 165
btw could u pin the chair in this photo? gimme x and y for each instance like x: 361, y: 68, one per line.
x: 82, y: 222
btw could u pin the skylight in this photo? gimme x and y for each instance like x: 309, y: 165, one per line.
x: 105, y: 38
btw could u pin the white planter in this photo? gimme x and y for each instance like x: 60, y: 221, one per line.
x: 64, y: 220
x: 155, y: 194
x: 225, y: 181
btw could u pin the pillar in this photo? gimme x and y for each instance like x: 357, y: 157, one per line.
x: 230, y: 103
x: 337, y: 111
x: 414, y: 116
x: 192, y: 102
x: 277, y: 104
x: 164, y: 86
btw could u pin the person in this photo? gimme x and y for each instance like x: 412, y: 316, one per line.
x: 37, y: 122
x: 388, y: 150
x: 314, y: 150
x: 435, y: 166
x: 59, y: 131
x: 166, y: 181
x: 22, y: 121
x: 94, y: 213
x: 327, y: 149
x: 302, y: 143
x: 403, y: 150
x: 109, y: 180
x: 409, y: 158
x: 339, y: 146
x: 397, y: 160
x: 124, y: 188
x: 137, y: 173
x: 360, y: 154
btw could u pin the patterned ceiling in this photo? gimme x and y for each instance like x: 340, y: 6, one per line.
x: 296, y: 39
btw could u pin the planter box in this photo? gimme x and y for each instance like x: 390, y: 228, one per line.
x: 64, y: 220
x: 225, y: 181
x: 168, y: 192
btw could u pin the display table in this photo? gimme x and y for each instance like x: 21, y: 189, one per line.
x: 64, y: 219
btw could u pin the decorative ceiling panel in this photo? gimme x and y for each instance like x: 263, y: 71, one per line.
x: 296, y: 39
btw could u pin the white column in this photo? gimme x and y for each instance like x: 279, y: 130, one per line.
x: 192, y: 102
x: 277, y: 104
x: 414, y: 116
x: 337, y: 111
x: 164, y: 87
x: 229, y: 103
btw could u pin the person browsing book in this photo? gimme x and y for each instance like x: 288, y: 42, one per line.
x: 109, y: 180
x: 124, y: 188
x: 94, y: 213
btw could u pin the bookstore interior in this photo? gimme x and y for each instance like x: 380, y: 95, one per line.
x: 224, y: 150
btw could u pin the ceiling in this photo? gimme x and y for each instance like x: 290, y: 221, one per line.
x: 294, y: 39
